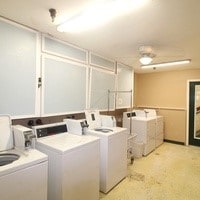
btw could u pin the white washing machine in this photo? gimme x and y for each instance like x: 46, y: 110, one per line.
x: 113, y: 151
x: 73, y: 172
x: 24, y: 178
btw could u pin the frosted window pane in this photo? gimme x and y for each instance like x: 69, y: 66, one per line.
x: 18, y: 70
x: 65, y: 87
x: 101, y: 83
x: 64, y: 49
x: 124, y: 83
x: 97, y: 60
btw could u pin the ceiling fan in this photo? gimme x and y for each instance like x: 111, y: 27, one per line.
x: 147, y: 55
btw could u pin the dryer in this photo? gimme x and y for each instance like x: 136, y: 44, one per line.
x: 73, y: 171
x: 113, y: 151
x: 148, y: 127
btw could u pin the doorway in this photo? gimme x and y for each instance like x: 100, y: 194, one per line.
x: 194, y: 113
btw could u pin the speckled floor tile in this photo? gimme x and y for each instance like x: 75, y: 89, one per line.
x: 171, y: 172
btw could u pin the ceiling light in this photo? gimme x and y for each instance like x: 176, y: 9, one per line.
x: 165, y: 64
x: 147, y: 55
x: 145, y: 60
x: 99, y: 13
x: 93, y: 16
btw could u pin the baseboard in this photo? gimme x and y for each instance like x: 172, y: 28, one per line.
x: 174, y: 142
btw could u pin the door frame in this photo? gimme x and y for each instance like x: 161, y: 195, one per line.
x: 188, y: 109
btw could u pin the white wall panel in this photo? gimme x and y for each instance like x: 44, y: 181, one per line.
x: 124, y: 83
x: 18, y: 47
x: 64, y: 86
x: 101, y: 82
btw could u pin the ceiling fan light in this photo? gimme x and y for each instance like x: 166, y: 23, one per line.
x: 165, y: 64
x: 145, y: 60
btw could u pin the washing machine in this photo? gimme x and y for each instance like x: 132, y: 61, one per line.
x: 73, y: 171
x: 113, y: 151
x: 23, y: 173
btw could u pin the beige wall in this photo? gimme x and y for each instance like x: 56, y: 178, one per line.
x: 167, y: 92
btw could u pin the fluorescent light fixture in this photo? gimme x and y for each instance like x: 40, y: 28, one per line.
x: 100, y: 12
x: 146, y: 60
x: 165, y: 64
x: 95, y: 15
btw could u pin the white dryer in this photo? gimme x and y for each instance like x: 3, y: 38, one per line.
x: 148, y: 127
x: 73, y: 171
x: 24, y: 178
x: 113, y: 151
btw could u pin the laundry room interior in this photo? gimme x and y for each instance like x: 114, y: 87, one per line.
x: 100, y: 99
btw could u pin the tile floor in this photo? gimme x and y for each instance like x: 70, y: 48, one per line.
x: 171, y: 172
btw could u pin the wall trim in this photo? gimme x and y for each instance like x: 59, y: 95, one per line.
x: 174, y: 142
x: 162, y: 108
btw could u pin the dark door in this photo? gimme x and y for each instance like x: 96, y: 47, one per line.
x: 194, y: 113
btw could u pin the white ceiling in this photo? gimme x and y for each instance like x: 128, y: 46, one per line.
x: 171, y: 27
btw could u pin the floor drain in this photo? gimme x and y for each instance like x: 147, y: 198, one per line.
x: 137, y: 176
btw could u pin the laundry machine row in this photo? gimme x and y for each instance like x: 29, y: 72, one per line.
x: 77, y: 166
x: 62, y: 167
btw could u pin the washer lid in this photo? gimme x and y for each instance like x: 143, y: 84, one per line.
x: 113, y: 132
x: 65, y: 142
x: 6, y: 136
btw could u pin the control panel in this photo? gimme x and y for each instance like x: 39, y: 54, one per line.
x: 131, y: 114
x: 51, y: 130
